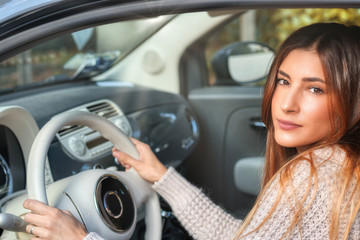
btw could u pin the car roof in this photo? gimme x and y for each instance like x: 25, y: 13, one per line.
x: 14, y: 9
x: 24, y: 23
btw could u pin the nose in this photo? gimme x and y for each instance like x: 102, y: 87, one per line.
x: 290, y: 101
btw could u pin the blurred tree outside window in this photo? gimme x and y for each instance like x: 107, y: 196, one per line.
x: 39, y: 63
x: 55, y: 59
x: 271, y: 26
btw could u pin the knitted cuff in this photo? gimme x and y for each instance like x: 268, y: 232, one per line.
x: 93, y: 236
x: 175, y: 189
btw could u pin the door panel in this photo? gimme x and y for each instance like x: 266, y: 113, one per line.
x: 225, y: 115
x: 242, y: 141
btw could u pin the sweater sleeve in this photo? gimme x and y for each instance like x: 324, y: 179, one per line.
x: 201, y: 217
x: 93, y: 236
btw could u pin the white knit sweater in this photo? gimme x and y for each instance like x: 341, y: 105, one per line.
x: 205, y: 220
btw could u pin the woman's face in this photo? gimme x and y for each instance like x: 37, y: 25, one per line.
x: 300, y: 104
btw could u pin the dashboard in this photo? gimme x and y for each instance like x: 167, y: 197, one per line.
x: 163, y: 120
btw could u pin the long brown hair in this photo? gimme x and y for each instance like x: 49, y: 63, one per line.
x: 338, y: 48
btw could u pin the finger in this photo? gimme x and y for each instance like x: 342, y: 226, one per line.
x: 36, y: 219
x: 114, y: 149
x: 143, y: 147
x: 66, y: 212
x: 138, y: 143
x: 37, y: 232
x: 32, y: 229
x: 29, y: 228
x: 125, y: 159
x: 135, y: 141
x: 127, y: 167
x: 36, y: 206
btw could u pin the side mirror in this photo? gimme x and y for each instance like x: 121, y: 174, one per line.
x: 242, y: 63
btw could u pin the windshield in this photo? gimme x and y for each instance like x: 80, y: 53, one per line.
x: 77, y: 55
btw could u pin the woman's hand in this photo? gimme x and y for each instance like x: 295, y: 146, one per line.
x: 147, y: 166
x: 45, y: 222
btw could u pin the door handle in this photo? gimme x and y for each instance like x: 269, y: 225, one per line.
x: 257, y: 124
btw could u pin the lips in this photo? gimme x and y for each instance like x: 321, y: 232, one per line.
x: 288, y: 125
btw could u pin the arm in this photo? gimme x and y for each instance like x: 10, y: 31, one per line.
x: 201, y: 218
x: 275, y: 213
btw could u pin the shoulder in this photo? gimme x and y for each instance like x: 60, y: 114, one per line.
x: 315, y: 173
x: 333, y: 154
x: 308, y: 179
x: 327, y: 160
x: 316, y: 167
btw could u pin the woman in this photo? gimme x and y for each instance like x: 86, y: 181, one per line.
x: 311, y: 189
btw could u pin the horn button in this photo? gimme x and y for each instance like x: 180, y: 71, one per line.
x: 115, y: 204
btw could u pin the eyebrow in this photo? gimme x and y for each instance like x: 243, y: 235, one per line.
x: 306, y: 79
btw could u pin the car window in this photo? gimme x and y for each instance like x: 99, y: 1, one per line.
x: 77, y: 55
x: 270, y: 27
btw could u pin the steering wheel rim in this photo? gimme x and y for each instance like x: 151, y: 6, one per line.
x: 38, y: 154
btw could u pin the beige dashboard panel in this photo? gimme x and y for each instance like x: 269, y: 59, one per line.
x: 22, y: 124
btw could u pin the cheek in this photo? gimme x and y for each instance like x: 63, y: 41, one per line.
x: 274, y: 103
x: 316, y: 110
x: 316, y: 114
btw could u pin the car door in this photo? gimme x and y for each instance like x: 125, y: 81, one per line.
x: 227, y: 162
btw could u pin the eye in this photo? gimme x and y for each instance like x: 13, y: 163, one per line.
x: 283, y: 82
x: 316, y: 90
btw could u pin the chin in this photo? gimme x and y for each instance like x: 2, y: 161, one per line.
x: 289, y: 143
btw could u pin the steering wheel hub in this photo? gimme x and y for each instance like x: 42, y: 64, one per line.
x: 115, y: 203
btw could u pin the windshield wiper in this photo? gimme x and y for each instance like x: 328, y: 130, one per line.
x: 56, y: 79
x: 94, y: 64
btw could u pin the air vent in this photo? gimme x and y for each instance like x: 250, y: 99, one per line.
x: 103, y: 109
x: 85, y: 144
x: 68, y: 129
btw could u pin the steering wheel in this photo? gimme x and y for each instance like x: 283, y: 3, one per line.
x: 105, y: 201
